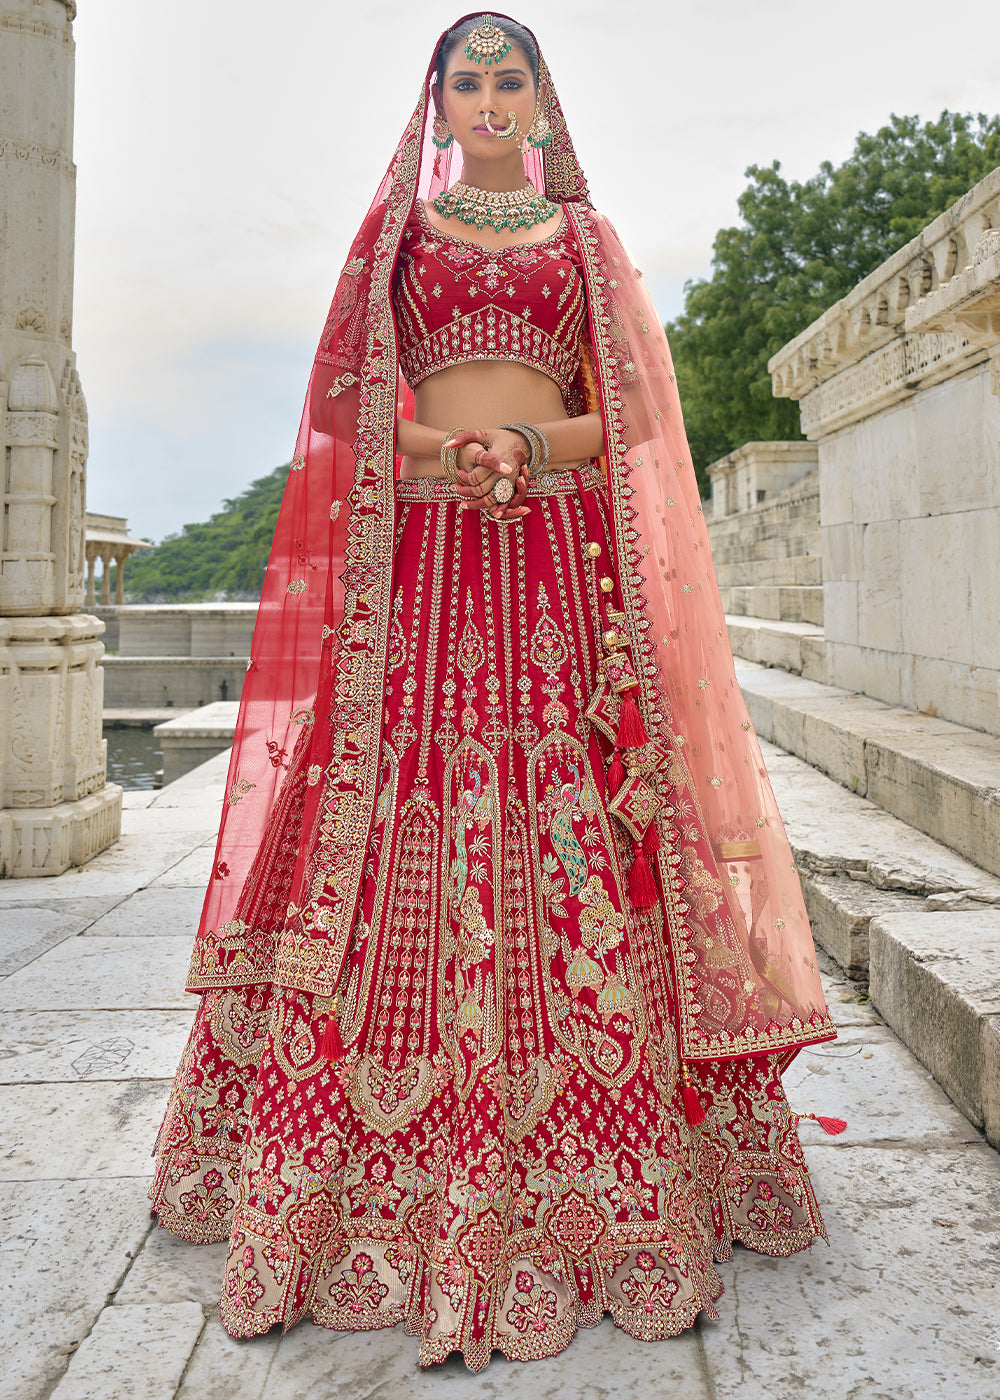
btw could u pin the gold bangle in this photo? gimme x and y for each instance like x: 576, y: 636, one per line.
x: 449, y: 455
x: 538, y: 445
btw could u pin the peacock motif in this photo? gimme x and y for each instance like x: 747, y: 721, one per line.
x: 474, y: 808
x: 562, y: 805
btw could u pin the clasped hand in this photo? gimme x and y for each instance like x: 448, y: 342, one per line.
x: 486, y: 456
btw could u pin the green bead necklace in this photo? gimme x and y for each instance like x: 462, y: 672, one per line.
x: 501, y: 209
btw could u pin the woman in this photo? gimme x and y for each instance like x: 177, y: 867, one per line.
x: 504, y: 950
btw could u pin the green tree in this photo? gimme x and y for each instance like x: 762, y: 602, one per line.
x: 226, y: 554
x: 800, y: 246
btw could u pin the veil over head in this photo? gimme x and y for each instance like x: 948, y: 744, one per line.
x: 309, y: 731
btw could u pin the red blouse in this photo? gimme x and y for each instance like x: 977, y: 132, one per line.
x: 456, y: 302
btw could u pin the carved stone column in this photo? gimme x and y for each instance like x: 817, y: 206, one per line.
x: 56, y: 809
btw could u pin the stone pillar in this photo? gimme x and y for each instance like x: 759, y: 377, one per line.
x: 91, y: 572
x: 106, y: 575
x: 56, y: 809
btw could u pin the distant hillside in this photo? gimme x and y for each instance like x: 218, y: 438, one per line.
x: 227, y: 554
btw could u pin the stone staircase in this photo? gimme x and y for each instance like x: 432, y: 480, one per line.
x: 893, y: 815
x: 767, y: 558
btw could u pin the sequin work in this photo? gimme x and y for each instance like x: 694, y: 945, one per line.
x: 456, y: 301
x: 502, y: 1156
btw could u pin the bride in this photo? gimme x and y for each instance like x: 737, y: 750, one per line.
x: 504, y: 950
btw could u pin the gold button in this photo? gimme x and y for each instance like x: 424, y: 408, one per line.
x: 593, y: 549
x: 607, y: 585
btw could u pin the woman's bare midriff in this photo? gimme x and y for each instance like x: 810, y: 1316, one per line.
x: 483, y: 394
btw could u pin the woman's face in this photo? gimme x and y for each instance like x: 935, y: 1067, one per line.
x: 471, y: 92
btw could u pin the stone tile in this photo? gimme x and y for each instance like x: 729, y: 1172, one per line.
x: 169, y: 1270
x: 164, y: 911
x: 86, y: 973
x: 983, y: 532
x: 30, y: 932
x: 223, y: 1368
x: 873, y: 1082
x: 840, y: 611
x: 600, y: 1363
x: 83, y: 1131
x: 196, y: 822
x: 134, y: 801
x: 902, y: 1304
x: 131, y: 864
x: 879, y: 599
x: 64, y: 1245
x: 194, y: 870
x: 41, y: 1047
x: 937, y: 621
x: 134, y: 1352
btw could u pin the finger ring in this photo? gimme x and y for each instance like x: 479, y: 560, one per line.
x: 503, y: 491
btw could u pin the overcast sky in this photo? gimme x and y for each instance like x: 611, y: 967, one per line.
x: 227, y: 152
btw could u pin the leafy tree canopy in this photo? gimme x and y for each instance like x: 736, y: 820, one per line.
x: 227, y: 554
x: 800, y: 246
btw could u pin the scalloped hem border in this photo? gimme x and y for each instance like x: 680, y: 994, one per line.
x: 635, y: 1322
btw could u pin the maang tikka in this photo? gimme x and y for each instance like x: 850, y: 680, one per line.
x: 487, y: 43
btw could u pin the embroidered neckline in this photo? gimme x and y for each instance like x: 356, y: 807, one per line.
x: 558, y: 232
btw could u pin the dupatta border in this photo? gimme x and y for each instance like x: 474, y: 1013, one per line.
x: 314, y: 943
x: 680, y: 937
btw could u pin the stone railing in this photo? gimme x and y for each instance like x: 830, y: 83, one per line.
x: 892, y: 335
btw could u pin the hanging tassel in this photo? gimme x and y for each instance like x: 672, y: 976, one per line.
x: 631, y: 730
x: 830, y: 1126
x: 651, y: 841
x: 616, y: 775
x: 332, y: 1048
x: 693, y: 1110
x: 642, y: 889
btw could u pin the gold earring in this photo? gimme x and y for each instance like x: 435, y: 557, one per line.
x: 506, y: 132
x: 539, y: 134
x: 441, y: 133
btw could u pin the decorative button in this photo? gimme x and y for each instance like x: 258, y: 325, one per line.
x: 607, y: 585
x: 594, y: 549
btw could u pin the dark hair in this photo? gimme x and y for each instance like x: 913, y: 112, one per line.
x: 516, y: 33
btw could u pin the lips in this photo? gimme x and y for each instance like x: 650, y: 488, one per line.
x: 483, y: 131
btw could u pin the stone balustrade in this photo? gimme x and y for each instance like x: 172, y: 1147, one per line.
x: 868, y: 352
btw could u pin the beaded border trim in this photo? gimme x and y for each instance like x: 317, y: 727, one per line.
x: 435, y: 488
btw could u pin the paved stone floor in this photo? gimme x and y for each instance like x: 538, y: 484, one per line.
x: 904, y: 1303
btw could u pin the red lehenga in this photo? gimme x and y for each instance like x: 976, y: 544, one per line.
x: 514, y: 851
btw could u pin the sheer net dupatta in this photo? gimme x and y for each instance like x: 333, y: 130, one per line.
x: 323, y: 608
x: 744, y: 960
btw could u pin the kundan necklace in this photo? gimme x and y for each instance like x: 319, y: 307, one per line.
x: 500, y: 209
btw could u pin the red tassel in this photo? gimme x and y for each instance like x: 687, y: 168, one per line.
x: 333, y: 1047
x: 831, y: 1126
x: 631, y: 730
x: 693, y: 1110
x: 642, y: 889
x: 616, y: 775
x: 651, y: 841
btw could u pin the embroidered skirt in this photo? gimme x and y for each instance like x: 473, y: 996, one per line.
x: 502, y: 1156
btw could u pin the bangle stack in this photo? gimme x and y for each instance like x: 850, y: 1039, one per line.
x: 538, y: 445
x: 449, y: 455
